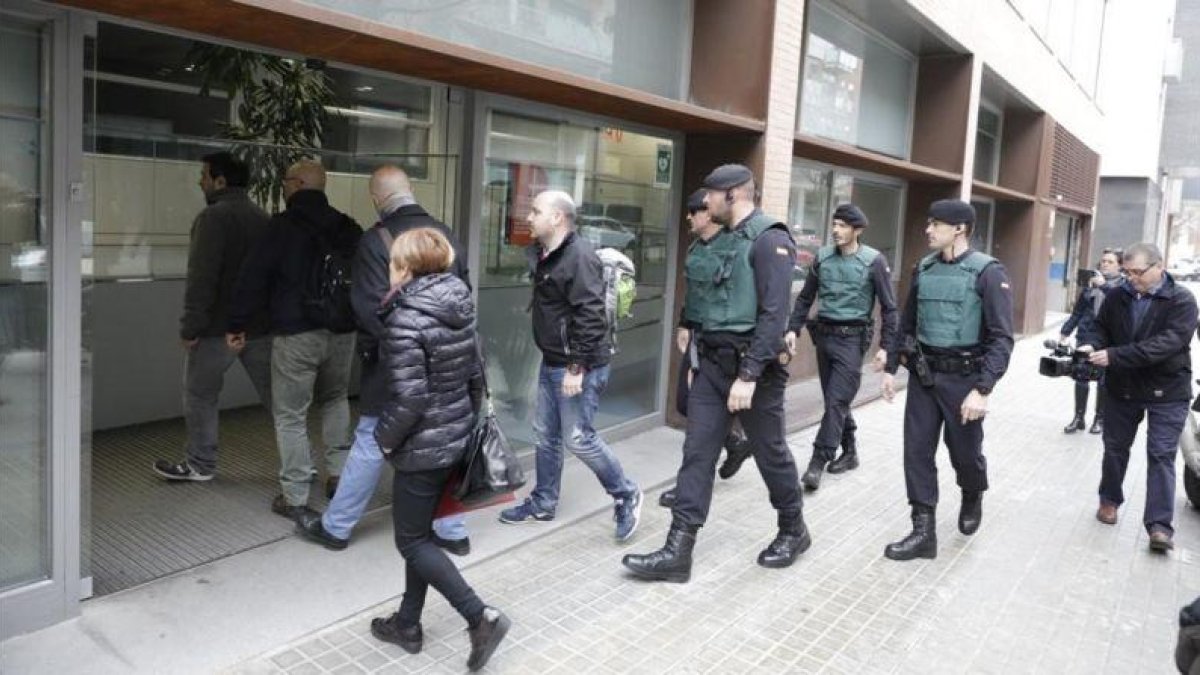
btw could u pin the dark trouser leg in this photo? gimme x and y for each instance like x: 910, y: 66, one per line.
x: 204, y: 375
x: 1081, y: 397
x: 965, y: 441
x: 839, y: 364
x: 764, y: 425
x: 1164, y: 424
x: 414, y: 498
x: 708, y: 422
x: 1120, y: 426
x: 922, y: 425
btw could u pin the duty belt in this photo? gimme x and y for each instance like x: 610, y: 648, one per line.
x: 841, y: 329
x: 963, y: 365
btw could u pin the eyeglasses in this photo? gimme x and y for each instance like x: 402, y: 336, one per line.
x: 1138, y: 273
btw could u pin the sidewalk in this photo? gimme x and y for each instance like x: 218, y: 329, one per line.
x: 1043, y: 587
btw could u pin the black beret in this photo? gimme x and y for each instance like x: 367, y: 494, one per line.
x: 952, y: 211
x: 727, y: 176
x: 850, y: 215
x: 695, y: 201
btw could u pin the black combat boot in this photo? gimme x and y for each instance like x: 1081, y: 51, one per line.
x: 1081, y: 397
x: 1076, y: 424
x: 921, y: 542
x: 667, y: 498
x: 672, y: 562
x: 816, y: 468
x: 737, y: 450
x: 792, y: 540
x: 848, y: 460
x: 971, y: 512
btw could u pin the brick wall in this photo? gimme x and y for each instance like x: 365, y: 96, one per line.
x: 781, y: 106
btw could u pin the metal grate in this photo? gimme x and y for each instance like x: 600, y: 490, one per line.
x: 144, y: 527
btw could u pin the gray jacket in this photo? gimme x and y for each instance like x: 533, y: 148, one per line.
x: 223, y: 235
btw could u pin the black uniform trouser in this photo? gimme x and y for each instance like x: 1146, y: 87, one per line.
x: 708, y: 422
x: 839, y: 366
x: 928, y: 412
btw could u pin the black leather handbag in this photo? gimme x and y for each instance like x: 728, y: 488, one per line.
x: 489, y: 468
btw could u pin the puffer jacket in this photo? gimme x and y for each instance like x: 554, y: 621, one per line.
x: 433, y: 373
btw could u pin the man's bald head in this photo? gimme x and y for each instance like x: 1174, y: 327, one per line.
x: 306, y: 174
x: 390, y: 188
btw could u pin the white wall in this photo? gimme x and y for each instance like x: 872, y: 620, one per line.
x: 1131, y: 94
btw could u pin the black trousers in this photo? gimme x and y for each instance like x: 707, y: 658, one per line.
x: 415, y: 497
x: 839, y: 366
x: 708, y: 423
x: 933, y: 411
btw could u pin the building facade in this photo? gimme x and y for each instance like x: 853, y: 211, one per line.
x: 624, y: 104
x: 1181, y: 135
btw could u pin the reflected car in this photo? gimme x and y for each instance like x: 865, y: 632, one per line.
x: 1185, y: 269
x: 605, y: 232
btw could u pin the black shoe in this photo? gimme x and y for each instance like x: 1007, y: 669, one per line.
x: 279, y: 505
x: 410, y: 639
x: 455, y: 546
x: 1077, y: 424
x: 921, y: 542
x: 792, y: 540
x: 812, y: 478
x: 331, y: 484
x: 667, y: 499
x: 847, y: 461
x: 672, y: 562
x: 737, y: 450
x: 1097, y: 426
x: 309, y: 526
x: 486, y: 637
x: 970, y: 513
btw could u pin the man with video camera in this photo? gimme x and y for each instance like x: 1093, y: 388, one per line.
x: 1142, y: 337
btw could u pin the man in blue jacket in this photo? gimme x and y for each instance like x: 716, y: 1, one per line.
x: 1142, y: 336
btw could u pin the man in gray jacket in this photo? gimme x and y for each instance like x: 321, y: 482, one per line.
x: 223, y: 234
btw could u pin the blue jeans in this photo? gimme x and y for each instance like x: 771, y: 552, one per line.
x: 1165, y: 422
x: 357, y: 483
x: 560, y: 421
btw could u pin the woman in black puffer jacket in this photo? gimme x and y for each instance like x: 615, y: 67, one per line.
x: 434, y: 385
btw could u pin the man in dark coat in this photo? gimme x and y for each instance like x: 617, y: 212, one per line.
x: 1142, y: 337
x: 399, y: 212
x: 223, y: 235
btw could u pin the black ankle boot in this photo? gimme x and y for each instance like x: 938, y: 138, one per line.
x: 389, y: 630
x: 1097, y: 425
x: 1077, y: 424
x: 847, y: 461
x: 971, y: 512
x: 921, y: 542
x: 792, y: 540
x: 672, y: 562
x: 667, y: 499
x: 816, y: 468
x: 486, y: 637
x: 737, y: 451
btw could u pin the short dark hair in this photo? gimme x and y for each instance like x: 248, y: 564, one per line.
x: 224, y: 164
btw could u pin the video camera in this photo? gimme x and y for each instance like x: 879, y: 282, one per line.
x: 1067, y: 362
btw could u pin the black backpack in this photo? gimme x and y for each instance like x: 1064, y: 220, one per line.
x: 326, y: 292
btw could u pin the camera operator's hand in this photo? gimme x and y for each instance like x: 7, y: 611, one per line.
x: 1099, y: 358
x: 682, y: 337
x: 888, y: 387
x: 880, y: 361
x: 789, y: 341
x: 974, y: 407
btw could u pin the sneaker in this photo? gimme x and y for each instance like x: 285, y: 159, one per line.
x: 389, y: 630
x: 279, y: 505
x: 486, y: 637
x: 628, y: 512
x: 180, y: 471
x: 455, y: 546
x: 523, y: 513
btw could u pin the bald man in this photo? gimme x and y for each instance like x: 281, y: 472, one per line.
x: 391, y: 193
x: 312, y: 348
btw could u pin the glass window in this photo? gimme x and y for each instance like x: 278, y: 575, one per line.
x: 808, y: 216
x: 380, y: 115
x: 856, y: 89
x: 642, y: 45
x: 987, y: 144
x: 24, y: 301
x: 623, y: 194
x: 981, y: 236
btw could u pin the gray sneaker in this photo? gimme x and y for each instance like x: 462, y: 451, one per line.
x: 627, y: 512
x: 180, y: 471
